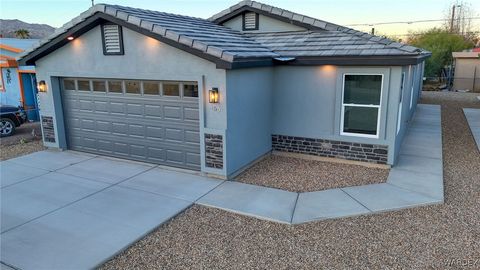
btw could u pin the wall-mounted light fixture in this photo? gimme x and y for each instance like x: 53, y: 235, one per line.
x: 42, y: 86
x: 70, y: 38
x: 213, y: 95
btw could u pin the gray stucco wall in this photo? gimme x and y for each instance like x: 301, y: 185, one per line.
x: 266, y: 24
x: 249, y: 115
x: 145, y: 58
x: 307, y: 103
x: 411, y: 95
x: 283, y: 100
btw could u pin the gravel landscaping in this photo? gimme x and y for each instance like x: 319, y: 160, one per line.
x: 24, y: 133
x: 301, y: 175
x: 423, y: 237
x: 20, y: 149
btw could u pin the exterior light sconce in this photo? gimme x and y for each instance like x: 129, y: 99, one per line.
x: 213, y: 95
x: 42, y: 87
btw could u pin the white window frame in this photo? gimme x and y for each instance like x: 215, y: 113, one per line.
x: 400, y: 108
x: 379, y: 107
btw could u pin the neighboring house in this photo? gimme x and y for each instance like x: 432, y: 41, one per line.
x: 467, y: 70
x: 18, y: 85
x: 216, y: 95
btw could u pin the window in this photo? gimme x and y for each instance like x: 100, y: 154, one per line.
x: 190, y: 90
x: 99, y: 86
x: 362, y: 94
x: 112, y: 39
x: 132, y: 87
x: 115, y: 87
x: 170, y: 89
x: 83, y: 85
x: 151, y: 88
x: 412, y: 92
x: 400, y: 106
x: 250, y: 21
x: 69, y: 84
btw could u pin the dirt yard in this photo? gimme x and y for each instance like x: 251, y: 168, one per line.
x: 433, y: 237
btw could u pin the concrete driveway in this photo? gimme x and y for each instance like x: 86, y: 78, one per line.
x: 70, y: 210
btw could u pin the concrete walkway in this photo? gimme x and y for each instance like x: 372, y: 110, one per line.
x: 416, y: 180
x: 69, y: 210
x: 473, y: 119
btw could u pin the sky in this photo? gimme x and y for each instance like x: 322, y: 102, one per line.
x: 342, y: 12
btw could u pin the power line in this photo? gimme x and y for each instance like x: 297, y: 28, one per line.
x: 419, y: 34
x: 408, y: 22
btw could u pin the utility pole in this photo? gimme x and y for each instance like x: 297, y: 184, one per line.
x: 451, y: 20
x: 93, y: 4
x: 373, y: 31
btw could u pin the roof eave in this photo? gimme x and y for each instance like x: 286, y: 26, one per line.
x: 387, y: 60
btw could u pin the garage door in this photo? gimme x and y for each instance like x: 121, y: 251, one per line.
x: 152, y: 121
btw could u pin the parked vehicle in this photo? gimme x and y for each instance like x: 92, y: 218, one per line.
x: 11, y: 117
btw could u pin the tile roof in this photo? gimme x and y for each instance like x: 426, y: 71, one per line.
x: 209, y: 37
x: 206, y: 36
x: 332, y: 43
x: 319, y: 29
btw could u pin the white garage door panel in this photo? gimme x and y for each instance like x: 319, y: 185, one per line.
x: 157, y: 129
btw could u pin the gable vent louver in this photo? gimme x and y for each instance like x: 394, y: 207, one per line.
x: 112, y: 39
x: 250, y: 21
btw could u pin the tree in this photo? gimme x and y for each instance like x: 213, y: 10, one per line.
x: 441, y: 43
x: 22, y: 33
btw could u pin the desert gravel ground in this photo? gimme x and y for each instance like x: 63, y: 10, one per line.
x: 300, y: 175
x: 26, y: 132
x: 423, y: 237
x: 20, y: 149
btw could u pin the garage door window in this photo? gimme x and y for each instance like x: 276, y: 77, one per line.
x: 69, y: 84
x: 190, y: 90
x: 99, y: 86
x: 151, y: 88
x: 361, y: 105
x: 83, y: 85
x: 115, y: 87
x: 170, y: 89
x: 132, y: 87
x: 177, y: 89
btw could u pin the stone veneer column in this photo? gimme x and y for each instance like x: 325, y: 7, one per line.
x: 214, y: 151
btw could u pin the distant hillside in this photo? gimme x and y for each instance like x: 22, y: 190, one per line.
x: 8, y: 27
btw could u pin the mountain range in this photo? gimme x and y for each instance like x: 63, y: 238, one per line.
x: 8, y: 28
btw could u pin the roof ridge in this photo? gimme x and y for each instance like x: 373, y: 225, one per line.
x: 313, y: 22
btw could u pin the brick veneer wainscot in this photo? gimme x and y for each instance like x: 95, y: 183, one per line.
x: 333, y: 149
x: 214, y: 151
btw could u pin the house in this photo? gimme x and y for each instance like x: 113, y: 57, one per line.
x: 17, y: 82
x: 216, y: 95
x: 467, y: 70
